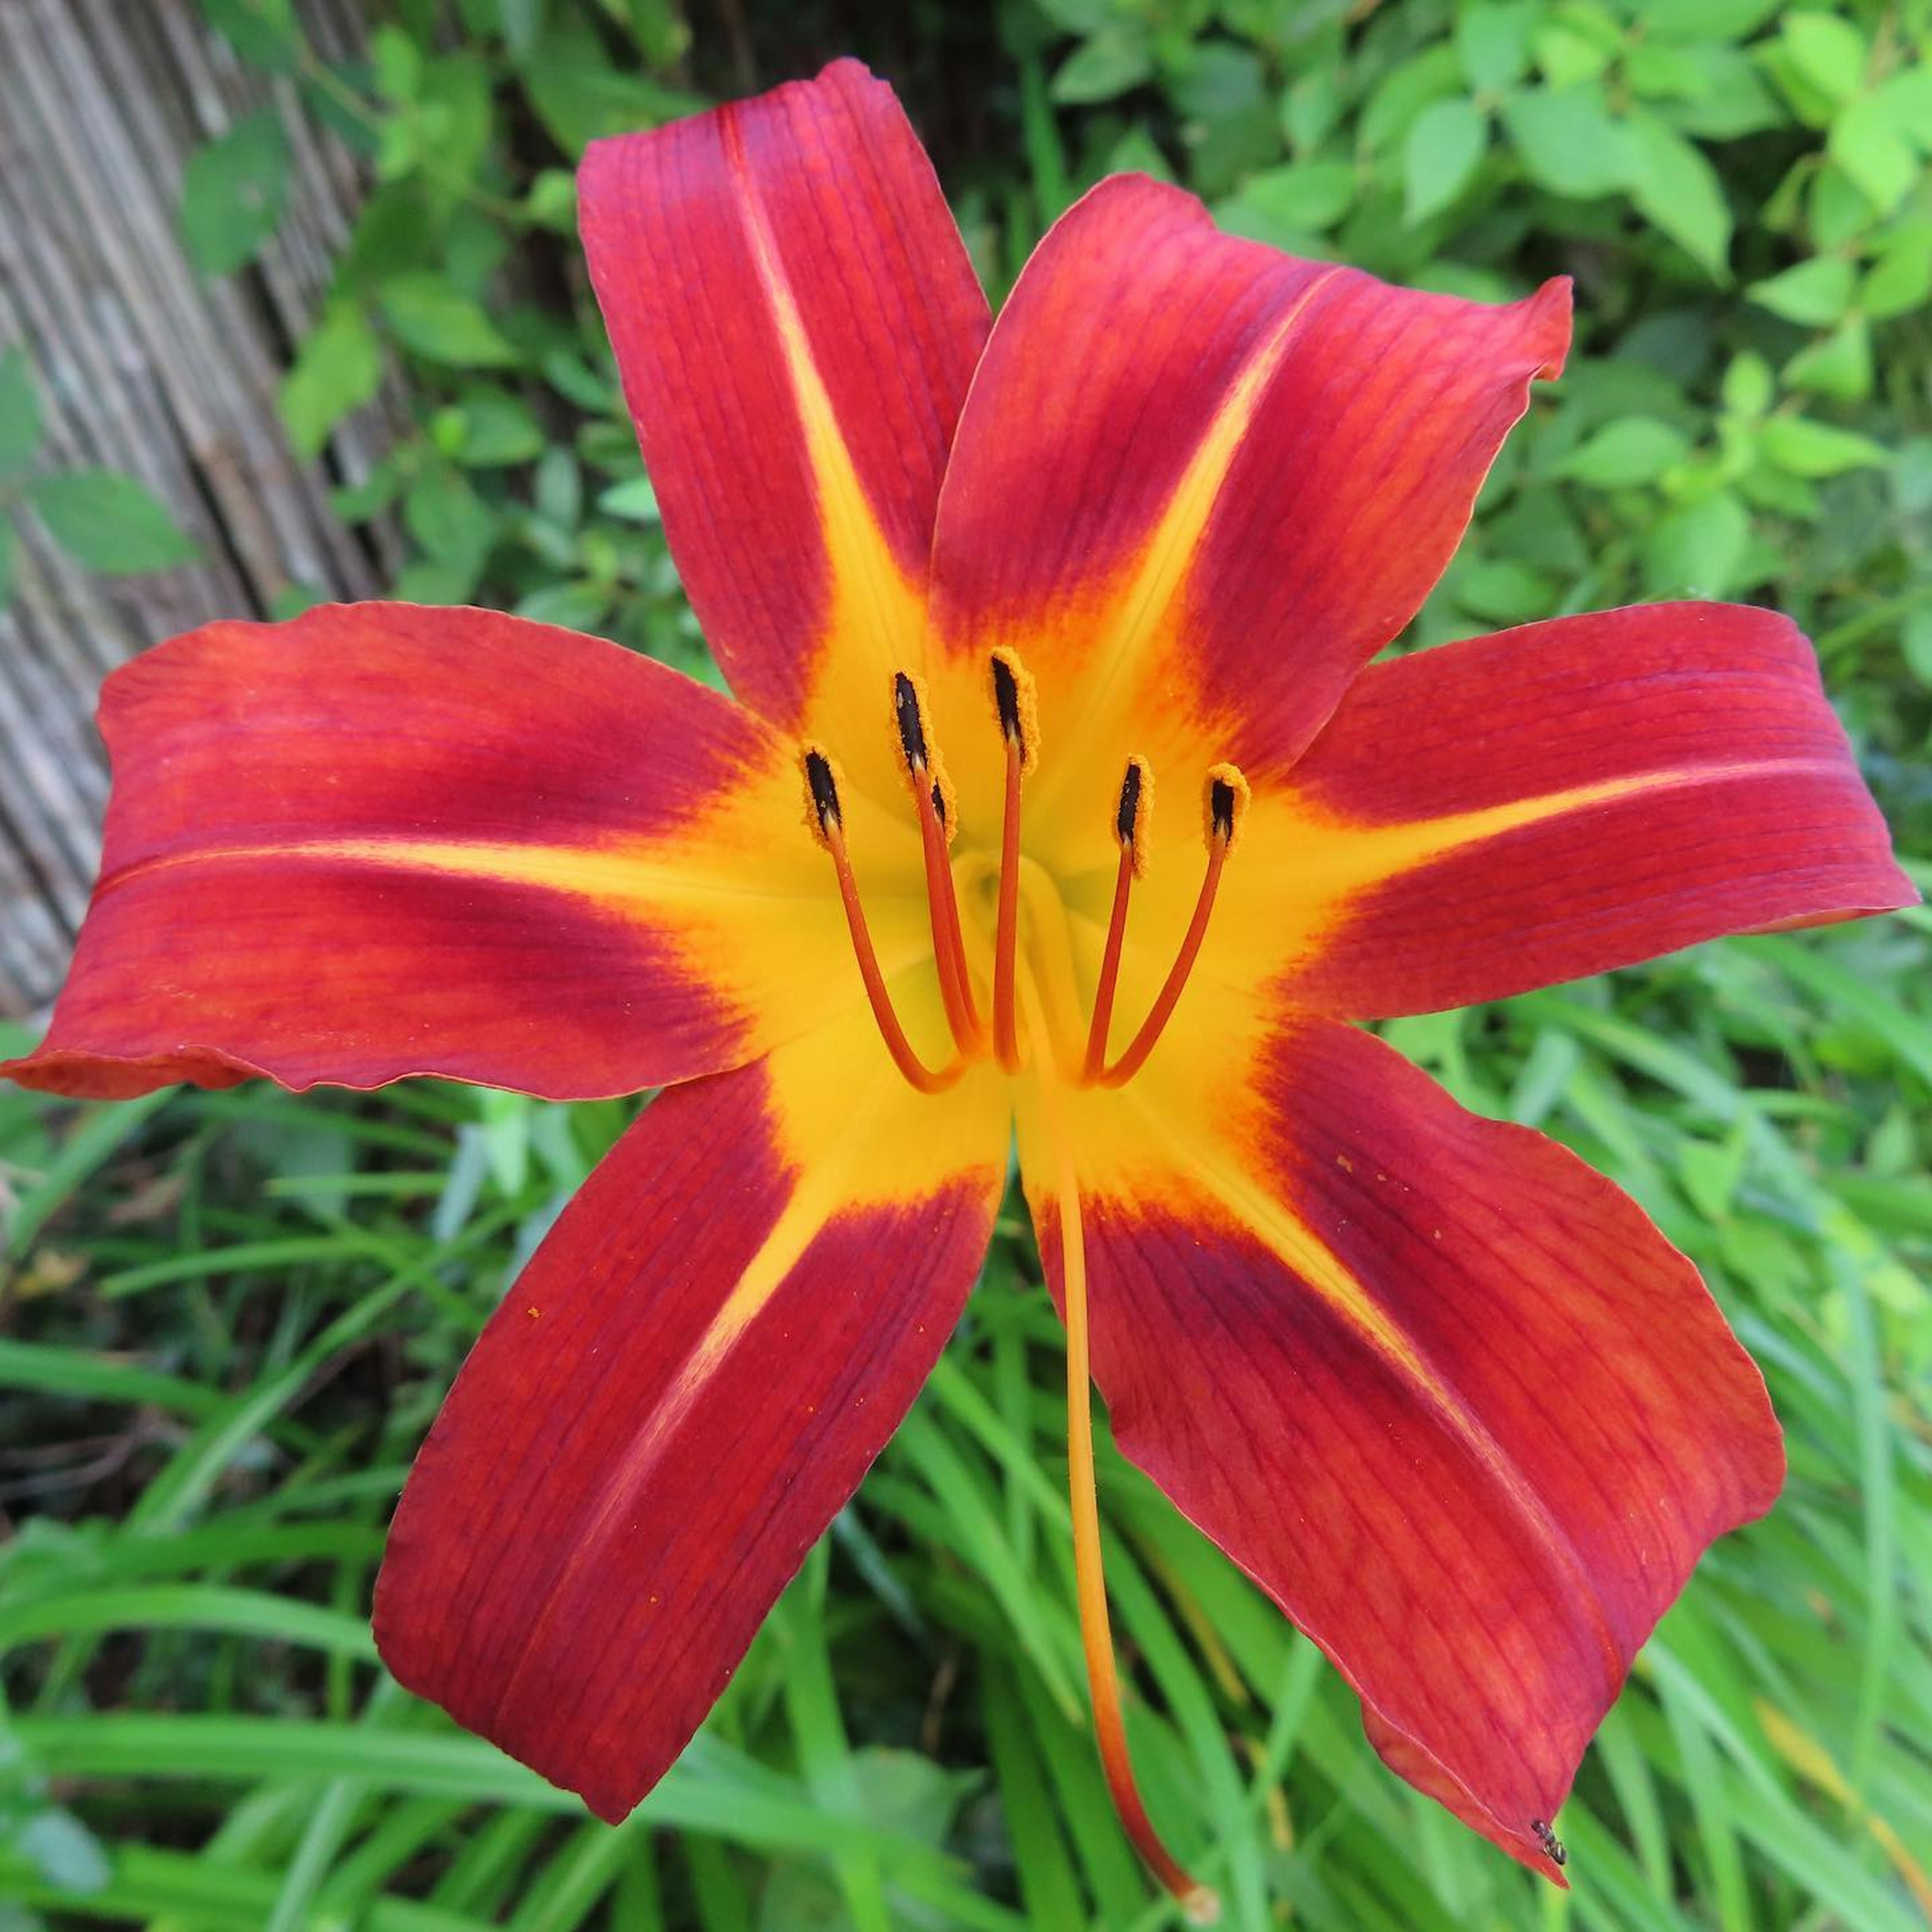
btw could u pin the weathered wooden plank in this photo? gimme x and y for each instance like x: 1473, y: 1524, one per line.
x: 144, y: 367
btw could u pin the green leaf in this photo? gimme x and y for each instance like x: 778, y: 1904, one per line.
x: 522, y: 23
x: 233, y: 194
x: 1915, y: 640
x: 1492, y: 44
x: 1838, y: 210
x: 108, y: 522
x: 1802, y: 448
x: 1815, y: 293
x: 1901, y: 280
x: 1906, y: 99
x: 1748, y: 386
x: 1828, y: 51
x: 438, y: 322
x: 1226, y: 106
x: 1734, y: 100
x: 1838, y: 365
x: 1446, y: 144
x: 396, y: 63
x: 1704, y: 19
x: 1659, y: 71
x: 1621, y: 454
x: 633, y: 503
x: 454, y: 526
x: 580, y: 96
x: 1680, y: 191
x: 6, y: 563
x: 577, y: 607
x: 263, y: 32
x: 1077, y: 17
x: 338, y: 368
x: 1113, y: 62
x: 1403, y: 92
x: 1698, y: 551
x: 1567, y: 57
x: 1304, y: 198
x: 1864, y: 143
x: 1568, y: 141
x: 489, y: 428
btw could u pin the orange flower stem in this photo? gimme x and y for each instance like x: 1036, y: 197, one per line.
x: 916, y: 1073
x: 1131, y: 1062
x: 1110, y: 971
x: 1006, y: 939
x: 1201, y: 1905
x: 949, y: 946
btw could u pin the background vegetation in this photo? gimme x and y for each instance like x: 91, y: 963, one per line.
x: 225, y: 1320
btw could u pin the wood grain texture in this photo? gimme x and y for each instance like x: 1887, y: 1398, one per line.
x: 144, y: 367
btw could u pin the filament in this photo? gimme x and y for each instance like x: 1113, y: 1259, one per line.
x: 822, y: 815
x: 930, y: 799
x: 1129, y: 828
x: 1006, y: 933
x: 1226, y: 798
x: 949, y: 946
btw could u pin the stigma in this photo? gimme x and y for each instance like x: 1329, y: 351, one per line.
x: 992, y: 1031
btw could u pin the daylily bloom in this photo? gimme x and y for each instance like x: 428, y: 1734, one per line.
x: 1443, y: 1392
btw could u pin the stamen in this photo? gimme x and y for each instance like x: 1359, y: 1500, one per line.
x: 932, y: 796
x: 1224, y: 801
x: 1201, y: 1905
x: 1017, y: 709
x: 1129, y: 828
x: 827, y: 823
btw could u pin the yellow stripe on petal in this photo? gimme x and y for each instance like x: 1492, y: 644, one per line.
x: 877, y: 622
x: 1305, y: 870
x: 1200, y: 1167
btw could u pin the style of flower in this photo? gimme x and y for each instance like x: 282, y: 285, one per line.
x: 1440, y: 1389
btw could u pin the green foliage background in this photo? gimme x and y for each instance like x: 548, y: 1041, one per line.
x: 229, y: 1318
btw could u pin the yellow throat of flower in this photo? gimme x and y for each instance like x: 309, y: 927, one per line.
x: 1225, y: 796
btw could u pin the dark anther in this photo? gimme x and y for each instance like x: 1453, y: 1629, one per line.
x: 1221, y: 809
x: 1007, y: 702
x: 939, y: 804
x: 1130, y: 802
x: 912, y: 726
x: 824, y: 789
x: 1553, y: 1846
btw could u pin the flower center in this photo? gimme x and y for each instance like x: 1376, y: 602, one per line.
x: 1224, y: 801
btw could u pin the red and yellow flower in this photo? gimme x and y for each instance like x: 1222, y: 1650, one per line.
x: 1442, y: 1391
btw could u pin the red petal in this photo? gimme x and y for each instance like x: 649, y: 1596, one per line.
x: 1199, y: 484
x: 382, y: 840
x: 796, y: 320
x: 682, y: 1390
x: 1441, y: 1389
x: 1565, y: 798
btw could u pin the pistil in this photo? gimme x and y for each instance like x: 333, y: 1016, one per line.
x: 827, y: 823
x: 1201, y: 1905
